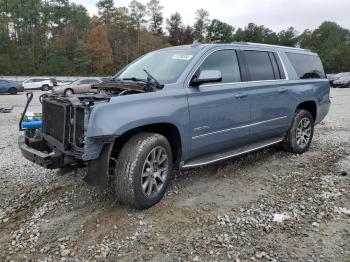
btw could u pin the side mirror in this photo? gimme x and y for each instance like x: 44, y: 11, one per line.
x: 207, y: 76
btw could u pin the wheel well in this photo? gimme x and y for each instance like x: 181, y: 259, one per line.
x: 309, y: 106
x: 170, y: 131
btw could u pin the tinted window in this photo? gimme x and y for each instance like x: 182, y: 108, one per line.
x: 259, y: 65
x: 226, y: 62
x: 307, y: 66
x: 94, y: 81
x: 85, y: 81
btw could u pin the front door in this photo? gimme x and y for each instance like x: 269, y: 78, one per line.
x: 219, y: 112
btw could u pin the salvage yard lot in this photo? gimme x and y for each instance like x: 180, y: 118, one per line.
x: 219, y: 212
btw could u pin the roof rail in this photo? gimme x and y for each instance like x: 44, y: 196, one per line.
x: 196, y: 43
x: 268, y: 45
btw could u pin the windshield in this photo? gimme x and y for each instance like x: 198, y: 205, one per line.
x: 344, y: 78
x: 165, y: 66
x: 343, y: 74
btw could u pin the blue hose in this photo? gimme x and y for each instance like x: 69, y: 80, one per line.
x: 32, y: 124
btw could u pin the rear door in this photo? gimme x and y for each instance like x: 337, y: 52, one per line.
x: 271, y: 106
x: 219, y: 112
x: 83, y: 86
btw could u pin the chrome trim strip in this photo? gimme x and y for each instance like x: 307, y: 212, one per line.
x: 246, y: 82
x: 283, y: 65
x: 233, y: 155
x: 238, y: 127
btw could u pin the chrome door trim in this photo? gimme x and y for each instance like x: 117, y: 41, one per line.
x: 239, y: 127
x: 283, y: 65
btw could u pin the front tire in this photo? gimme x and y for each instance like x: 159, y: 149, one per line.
x: 143, y: 170
x: 68, y: 92
x: 45, y: 88
x: 300, y: 134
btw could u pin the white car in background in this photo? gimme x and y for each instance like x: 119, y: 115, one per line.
x: 43, y: 84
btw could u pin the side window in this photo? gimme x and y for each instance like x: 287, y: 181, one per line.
x: 307, y: 66
x: 85, y: 81
x: 259, y: 65
x: 226, y: 62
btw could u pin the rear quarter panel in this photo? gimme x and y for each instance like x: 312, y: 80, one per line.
x: 316, y: 90
x: 302, y: 90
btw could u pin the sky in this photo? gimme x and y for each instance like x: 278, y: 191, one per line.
x: 275, y: 14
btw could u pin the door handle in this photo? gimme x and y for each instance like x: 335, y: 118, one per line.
x: 282, y: 90
x: 240, y: 95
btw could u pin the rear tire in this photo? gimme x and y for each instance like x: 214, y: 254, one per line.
x: 45, y: 88
x: 13, y: 91
x: 138, y: 180
x: 299, y: 135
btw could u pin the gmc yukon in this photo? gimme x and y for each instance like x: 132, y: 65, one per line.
x: 183, y: 106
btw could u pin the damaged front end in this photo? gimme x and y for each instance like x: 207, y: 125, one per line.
x: 60, y: 141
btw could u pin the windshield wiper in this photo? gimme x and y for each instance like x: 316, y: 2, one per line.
x: 150, y: 86
x: 150, y: 77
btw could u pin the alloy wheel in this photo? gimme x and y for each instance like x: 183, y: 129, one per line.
x: 154, y: 171
x: 303, y: 132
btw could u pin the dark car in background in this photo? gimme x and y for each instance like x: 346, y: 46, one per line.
x: 343, y: 81
x: 10, y: 86
x: 331, y: 78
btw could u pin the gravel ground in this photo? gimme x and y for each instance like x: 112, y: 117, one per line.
x: 222, y: 212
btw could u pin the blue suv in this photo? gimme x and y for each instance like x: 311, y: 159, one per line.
x: 11, y: 87
x: 183, y: 106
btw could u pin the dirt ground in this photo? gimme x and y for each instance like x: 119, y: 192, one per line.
x: 221, y: 212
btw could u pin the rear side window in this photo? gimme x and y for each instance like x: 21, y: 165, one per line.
x: 85, y: 81
x: 259, y: 65
x: 307, y: 66
x: 226, y: 61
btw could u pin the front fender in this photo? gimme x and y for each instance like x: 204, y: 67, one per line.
x: 124, y: 113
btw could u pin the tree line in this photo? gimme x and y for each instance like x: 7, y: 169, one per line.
x: 57, y: 37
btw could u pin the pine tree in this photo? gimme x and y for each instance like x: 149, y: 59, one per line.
x: 101, y: 52
x: 201, y: 24
x: 156, y: 17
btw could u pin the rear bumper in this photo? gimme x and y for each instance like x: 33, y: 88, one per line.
x: 53, y: 160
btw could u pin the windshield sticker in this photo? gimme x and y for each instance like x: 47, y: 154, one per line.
x: 182, y: 57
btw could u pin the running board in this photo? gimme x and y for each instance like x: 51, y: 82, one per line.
x: 208, y: 159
